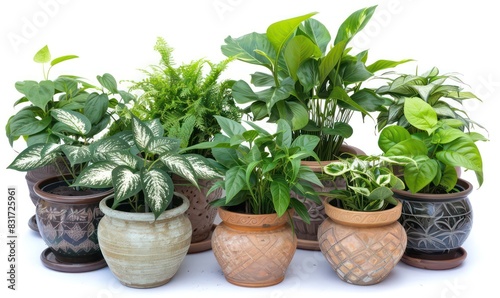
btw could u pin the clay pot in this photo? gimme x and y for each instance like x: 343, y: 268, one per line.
x: 437, y: 226
x: 253, y: 250
x: 307, y: 234
x: 362, y: 247
x: 67, y: 222
x: 142, y: 252
x: 200, y: 213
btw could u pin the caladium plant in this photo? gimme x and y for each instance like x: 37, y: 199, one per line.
x: 140, y: 172
x: 261, y: 169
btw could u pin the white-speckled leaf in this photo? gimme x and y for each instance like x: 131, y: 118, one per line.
x: 96, y: 175
x: 202, y: 168
x: 124, y: 158
x: 76, y: 121
x: 180, y: 165
x: 126, y: 183
x: 158, y: 190
x: 32, y: 158
x: 100, y: 148
x: 156, y: 127
x: 76, y: 154
x: 142, y: 133
x: 162, y: 145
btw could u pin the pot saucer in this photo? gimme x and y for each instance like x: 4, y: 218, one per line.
x: 308, y: 244
x: 449, y: 260
x: 49, y: 260
x: 32, y: 224
x: 203, y: 245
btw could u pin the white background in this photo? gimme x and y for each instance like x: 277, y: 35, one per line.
x: 118, y: 37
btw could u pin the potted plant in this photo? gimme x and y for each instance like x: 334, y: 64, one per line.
x: 62, y: 122
x: 145, y: 233
x: 313, y: 82
x: 437, y: 213
x: 185, y: 98
x: 362, y: 238
x: 255, y: 243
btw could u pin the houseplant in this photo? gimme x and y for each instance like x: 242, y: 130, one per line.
x: 255, y: 243
x: 313, y: 82
x: 62, y: 121
x: 362, y: 239
x: 185, y: 98
x: 437, y: 213
x: 145, y: 233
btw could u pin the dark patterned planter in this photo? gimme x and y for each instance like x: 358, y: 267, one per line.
x: 68, y: 225
x: 436, y: 226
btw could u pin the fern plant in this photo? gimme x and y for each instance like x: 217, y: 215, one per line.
x: 184, y: 98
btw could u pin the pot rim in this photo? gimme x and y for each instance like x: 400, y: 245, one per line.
x: 464, y: 184
x: 317, y: 167
x: 142, y: 216
x: 85, y: 199
x: 363, y: 218
x: 254, y: 220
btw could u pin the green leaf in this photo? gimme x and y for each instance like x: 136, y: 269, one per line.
x: 300, y: 115
x: 126, y: 183
x: 62, y: 59
x: 277, y: 94
x: 158, y: 190
x: 96, y: 175
x: 410, y: 147
x: 330, y: 61
x: 66, y: 85
x: 317, y: 32
x: 392, y: 135
x: 298, y: 50
x: 243, y: 93
x: 284, y: 134
x: 230, y: 127
x: 353, y: 24
x: 300, y: 209
x: 75, y: 121
x: 25, y: 123
x: 368, y: 99
x: 108, y: 82
x: 380, y: 193
x: 31, y: 158
x: 40, y: 94
x: 339, y: 129
x: 420, y: 175
x: 95, y: 107
x: 280, y: 192
x: 354, y: 72
x: 280, y: 32
x: 340, y: 94
x: 306, y: 142
x: 234, y: 182
x: 260, y: 79
x: 384, y: 64
x: 178, y: 164
x: 244, y: 49
x: 306, y: 174
x: 43, y: 55
x: 462, y: 152
x: 420, y: 114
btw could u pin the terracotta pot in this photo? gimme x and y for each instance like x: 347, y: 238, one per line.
x: 142, y: 252
x: 362, y: 247
x: 200, y: 213
x: 253, y: 250
x: 68, y: 225
x: 307, y: 234
x: 437, y: 226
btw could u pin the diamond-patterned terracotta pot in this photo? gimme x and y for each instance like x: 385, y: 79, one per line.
x: 253, y: 250
x: 362, y: 247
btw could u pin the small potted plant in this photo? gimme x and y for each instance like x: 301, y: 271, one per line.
x: 437, y: 213
x: 145, y: 233
x: 261, y: 170
x: 312, y: 81
x: 362, y: 238
x: 62, y: 121
x: 185, y: 98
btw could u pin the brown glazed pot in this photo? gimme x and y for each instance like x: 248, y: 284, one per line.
x: 253, y: 250
x: 362, y: 247
x: 307, y: 234
x: 68, y: 225
x: 200, y: 213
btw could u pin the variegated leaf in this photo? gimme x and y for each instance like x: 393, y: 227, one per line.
x: 156, y: 127
x: 202, y: 168
x: 158, y: 190
x: 32, y: 158
x: 76, y: 154
x: 96, y: 175
x: 142, y: 133
x: 179, y: 165
x: 126, y: 183
x: 125, y: 158
x: 100, y: 148
x: 162, y: 145
x: 76, y: 121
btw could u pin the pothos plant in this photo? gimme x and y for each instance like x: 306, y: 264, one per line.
x: 62, y: 117
x: 141, y: 173
x: 369, y: 181
x: 261, y: 169
x: 437, y: 146
x: 311, y: 81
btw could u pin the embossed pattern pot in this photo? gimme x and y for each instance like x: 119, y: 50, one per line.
x: 362, y: 247
x: 437, y: 226
x: 142, y: 252
x: 200, y: 213
x: 68, y: 225
x: 307, y: 234
x: 253, y: 250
